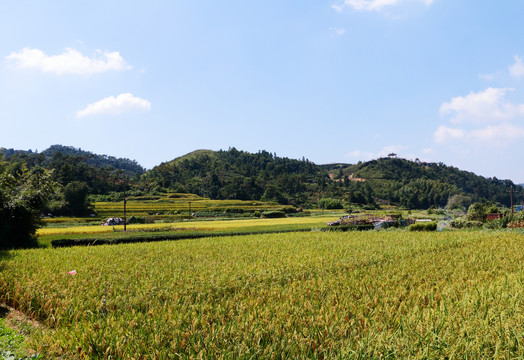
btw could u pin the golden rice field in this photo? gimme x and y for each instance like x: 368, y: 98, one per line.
x: 167, y: 205
x: 212, y: 225
x: 365, y: 295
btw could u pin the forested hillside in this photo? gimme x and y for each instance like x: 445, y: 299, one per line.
x: 58, y: 153
x: 235, y: 174
x: 415, y: 184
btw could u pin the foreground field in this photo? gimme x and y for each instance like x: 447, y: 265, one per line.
x: 313, y: 295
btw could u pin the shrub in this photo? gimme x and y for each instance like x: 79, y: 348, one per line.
x: 329, y: 203
x: 500, y: 223
x: 273, y: 214
x: 136, y: 220
x: 465, y: 224
x: 234, y: 211
x: 431, y: 226
x: 362, y: 227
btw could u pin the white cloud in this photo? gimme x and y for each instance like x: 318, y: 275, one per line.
x: 371, y: 5
x: 115, y: 105
x: 70, y: 61
x: 489, y: 105
x: 517, y: 69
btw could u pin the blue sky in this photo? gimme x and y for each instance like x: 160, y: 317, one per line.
x: 332, y: 81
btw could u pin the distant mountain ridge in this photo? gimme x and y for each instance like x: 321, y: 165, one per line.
x: 237, y: 174
x: 100, y: 161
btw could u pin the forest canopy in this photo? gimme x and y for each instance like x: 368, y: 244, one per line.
x: 236, y: 174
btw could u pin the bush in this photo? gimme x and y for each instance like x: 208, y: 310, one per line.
x: 500, y: 223
x: 363, y: 227
x: 136, y: 220
x: 431, y: 226
x: 330, y: 204
x: 273, y: 214
x: 234, y: 211
x: 465, y: 224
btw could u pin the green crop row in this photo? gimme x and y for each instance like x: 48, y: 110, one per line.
x: 348, y: 295
x: 163, y: 236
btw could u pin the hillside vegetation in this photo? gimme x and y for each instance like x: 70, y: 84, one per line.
x: 262, y: 176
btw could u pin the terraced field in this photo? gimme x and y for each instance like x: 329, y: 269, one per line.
x: 213, y: 225
x: 181, y: 205
x: 391, y: 294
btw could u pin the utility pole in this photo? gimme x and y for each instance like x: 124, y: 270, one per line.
x: 125, y: 203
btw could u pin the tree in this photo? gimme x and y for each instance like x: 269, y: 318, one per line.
x: 22, y: 197
x: 75, y: 195
x: 459, y: 201
x: 273, y: 193
x: 479, y: 211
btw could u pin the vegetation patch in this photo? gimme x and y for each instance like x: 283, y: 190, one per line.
x: 429, y: 226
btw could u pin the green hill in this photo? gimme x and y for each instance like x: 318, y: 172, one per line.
x: 48, y: 157
x: 420, y: 184
x: 235, y: 174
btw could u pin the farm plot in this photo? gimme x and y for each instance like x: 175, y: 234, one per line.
x: 295, y: 295
x: 168, y: 206
x: 219, y: 226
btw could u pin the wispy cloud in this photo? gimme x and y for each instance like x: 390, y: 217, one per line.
x: 517, y: 69
x: 489, y: 136
x: 446, y: 134
x: 488, y: 77
x: 371, y: 5
x: 498, y: 134
x: 385, y: 151
x: 71, y: 61
x: 115, y: 105
x: 338, y: 31
x: 489, y: 105
x: 361, y: 155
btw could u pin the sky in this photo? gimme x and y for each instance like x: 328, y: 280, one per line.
x: 327, y: 80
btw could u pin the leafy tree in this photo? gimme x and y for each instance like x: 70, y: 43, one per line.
x: 273, y: 193
x: 459, y: 201
x: 75, y: 195
x: 22, y: 197
x: 480, y: 210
